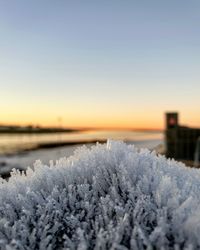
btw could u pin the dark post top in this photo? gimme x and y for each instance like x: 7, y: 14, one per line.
x: 171, y: 120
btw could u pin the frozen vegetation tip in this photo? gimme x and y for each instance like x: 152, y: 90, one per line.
x: 112, y: 196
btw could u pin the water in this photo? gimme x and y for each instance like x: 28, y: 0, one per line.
x: 10, y: 143
x: 12, y: 154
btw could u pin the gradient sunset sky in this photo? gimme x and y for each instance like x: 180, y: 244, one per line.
x: 101, y: 63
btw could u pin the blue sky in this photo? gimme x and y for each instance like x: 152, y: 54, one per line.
x: 99, y: 63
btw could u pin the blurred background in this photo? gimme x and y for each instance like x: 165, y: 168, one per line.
x: 76, y: 72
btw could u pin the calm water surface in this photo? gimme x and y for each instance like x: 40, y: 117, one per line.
x: 13, y: 142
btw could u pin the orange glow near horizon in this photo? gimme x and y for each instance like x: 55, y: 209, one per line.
x: 97, y: 115
x: 99, y: 122
x: 154, y: 121
x: 91, y: 111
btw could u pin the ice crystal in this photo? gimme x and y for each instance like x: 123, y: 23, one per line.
x: 113, y: 196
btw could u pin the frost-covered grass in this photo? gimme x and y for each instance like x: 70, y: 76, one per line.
x: 113, y: 196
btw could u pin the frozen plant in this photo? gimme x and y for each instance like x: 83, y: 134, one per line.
x: 113, y: 196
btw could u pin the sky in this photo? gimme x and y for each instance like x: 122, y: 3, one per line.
x: 104, y: 64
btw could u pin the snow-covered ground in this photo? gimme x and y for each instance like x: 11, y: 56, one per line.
x: 113, y: 196
x: 23, y: 160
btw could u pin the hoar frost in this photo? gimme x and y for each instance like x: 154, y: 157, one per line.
x: 113, y: 196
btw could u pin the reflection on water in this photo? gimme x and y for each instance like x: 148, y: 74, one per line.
x: 11, y: 142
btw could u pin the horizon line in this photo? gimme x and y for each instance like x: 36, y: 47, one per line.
x: 84, y: 127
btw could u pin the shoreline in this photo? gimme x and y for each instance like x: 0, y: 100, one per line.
x: 37, y: 131
x: 47, y: 145
x: 47, y: 151
x: 26, y: 148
